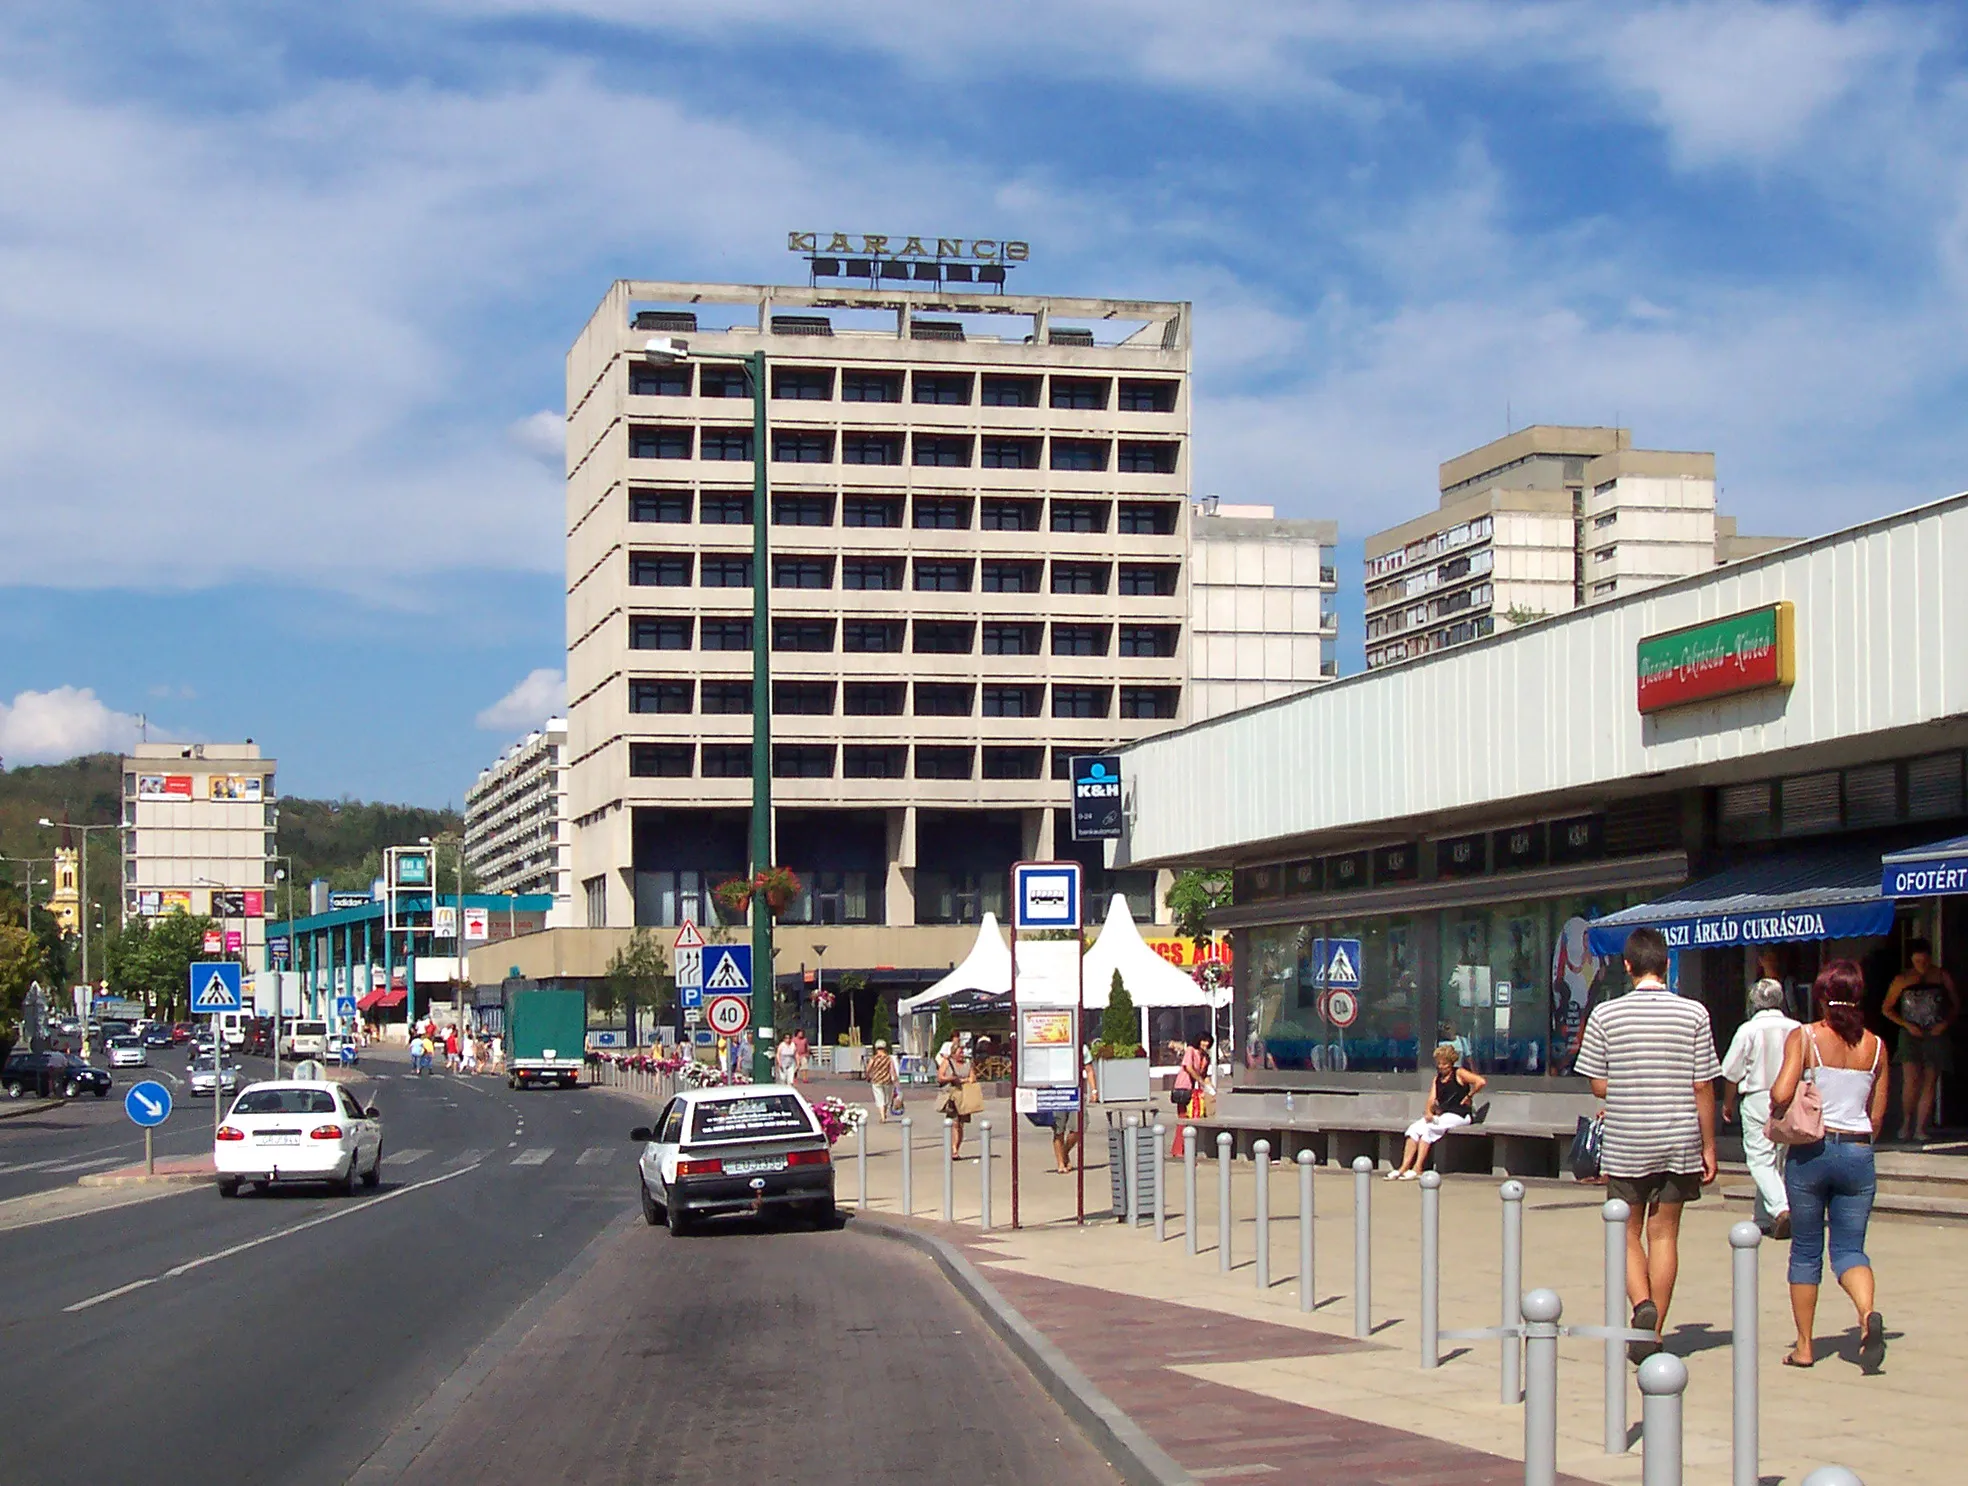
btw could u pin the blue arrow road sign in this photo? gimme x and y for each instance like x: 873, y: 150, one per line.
x: 147, y: 1104
x: 728, y: 969
x: 215, y: 986
x: 345, y: 1006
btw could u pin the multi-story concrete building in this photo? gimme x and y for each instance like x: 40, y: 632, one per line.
x: 1539, y: 523
x: 517, y: 838
x: 199, y: 835
x: 1261, y: 619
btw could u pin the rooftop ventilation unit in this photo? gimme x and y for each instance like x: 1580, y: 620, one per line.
x: 1069, y: 335
x: 665, y: 320
x: 936, y: 330
x: 802, y: 325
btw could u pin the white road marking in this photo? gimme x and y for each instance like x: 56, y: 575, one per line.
x: 86, y: 1165
x: 535, y: 1156
x: 404, y: 1158
x: 253, y: 1243
x: 471, y: 1157
x: 595, y: 1155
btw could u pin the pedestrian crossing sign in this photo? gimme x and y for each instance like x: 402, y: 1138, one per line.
x: 728, y: 968
x: 1339, y: 963
x: 215, y: 986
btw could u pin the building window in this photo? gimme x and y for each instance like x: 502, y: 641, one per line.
x: 872, y: 698
x: 1079, y: 639
x: 659, y: 569
x: 947, y: 389
x: 865, y: 762
x: 646, y: 633
x: 804, y: 447
x: 1077, y: 454
x: 802, y: 510
x: 1009, y: 454
x: 1011, y: 701
x: 802, y: 634
x: 1079, y: 515
x: 725, y: 572
x: 1604, y: 554
x: 727, y: 443
x: 595, y: 891
x: 1082, y: 394
x: 659, y: 443
x: 1600, y: 590
x: 1146, y: 395
x: 941, y: 514
x: 1013, y: 763
x: 803, y: 760
x: 1009, y: 515
x: 871, y: 636
x: 727, y: 761
x: 1145, y: 518
x: 1080, y: 701
x: 942, y: 763
x: 725, y: 699
x: 1010, y: 392
x: 724, y: 381
x: 654, y: 379
x: 1600, y: 523
x: 1148, y: 701
x: 941, y: 575
x: 661, y: 760
x: 871, y: 386
x: 882, y: 574
x: 1142, y: 457
x: 1079, y: 577
x: 803, y: 383
x: 724, y: 510
x: 943, y: 699
x: 802, y: 572
x: 725, y: 634
x: 1011, y: 577
x: 935, y: 637
x: 1148, y: 579
x: 871, y: 510
x: 944, y: 451
x: 1011, y: 639
x: 1148, y: 641
x: 671, y: 507
x: 803, y: 698
x: 660, y: 696
x: 871, y: 448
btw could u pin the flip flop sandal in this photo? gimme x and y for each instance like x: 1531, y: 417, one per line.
x: 1872, y: 1342
x: 1646, y: 1317
x: 1790, y: 1360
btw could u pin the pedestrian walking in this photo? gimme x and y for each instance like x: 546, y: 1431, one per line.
x: 1754, y: 1058
x: 1923, y: 1002
x: 954, y: 1074
x: 1449, y: 1109
x: 1191, y: 1075
x: 802, y: 1056
x: 1831, y: 1181
x: 453, y: 1059
x: 881, y: 1081
x: 1650, y: 1054
x: 786, y: 1056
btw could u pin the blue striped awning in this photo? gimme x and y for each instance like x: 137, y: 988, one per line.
x: 1806, y: 893
x: 1938, y: 870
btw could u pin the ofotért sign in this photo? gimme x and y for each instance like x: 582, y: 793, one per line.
x: 1752, y: 651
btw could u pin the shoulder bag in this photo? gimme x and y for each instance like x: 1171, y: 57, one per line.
x: 1802, y: 1122
x: 970, y: 1098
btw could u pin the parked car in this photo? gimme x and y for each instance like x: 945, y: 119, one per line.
x: 299, y: 1130
x: 50, y: 1075
x: 741, y: 1148
x: 127, y: 1052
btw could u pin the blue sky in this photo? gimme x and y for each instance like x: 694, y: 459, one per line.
x: 285, y: 290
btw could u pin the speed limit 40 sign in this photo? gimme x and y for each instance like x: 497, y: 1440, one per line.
x: 728, y: 1015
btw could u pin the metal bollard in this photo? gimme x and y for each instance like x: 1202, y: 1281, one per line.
x: 1131, y: 1169
x: 1745, y: 1240
x: 1363, y: 1245
x: 1261, y: 1156
x: 1223, y: 1144
x: 1615, y: 1213
x: 1662, y: 1378
x: 1189, y: 1189
x: 984, y: 1174
x: 1512, y: 1193
x: 1831, y: 1475
x: 1541, y: 1312
x: 861, y: 1164
x: 1160, y: 1132
x: 908, y: 1185
x: 949, y: 1173
x: 1431, y: 1268
x: 1306, y: 1296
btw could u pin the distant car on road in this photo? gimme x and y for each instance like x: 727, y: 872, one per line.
x: 743, y: 1148
x: 180, y: 1033
x: 298, y: 1130
x: 127, y: 1052
x: 50, y: 1075
x: 157, y: 1035
x: 202, y: 1077
x: 304, y: 1040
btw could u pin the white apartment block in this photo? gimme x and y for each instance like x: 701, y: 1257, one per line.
x: 198, y: 835
x: 981, y: 565
x: 517, y: 836
x: 1262, y: 623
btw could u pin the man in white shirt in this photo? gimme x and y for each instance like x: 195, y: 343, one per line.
x: 1755, y: 1056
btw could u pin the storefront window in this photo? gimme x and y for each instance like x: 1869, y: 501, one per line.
x: 1494, y: 1003
x: 1579, y: 980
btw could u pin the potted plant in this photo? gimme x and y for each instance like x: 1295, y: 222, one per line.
x: 780, y: 887
x: 1120, y: 1063
x: 734, y: 895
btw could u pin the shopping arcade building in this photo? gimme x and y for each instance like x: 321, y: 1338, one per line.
x: 1421, y: 853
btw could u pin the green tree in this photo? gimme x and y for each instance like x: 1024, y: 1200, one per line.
x: 1120, y: 1023
x: 638, y: 974
x: 22, y: 961
x: 851, y: 985
x: 945, y: 1028
x: 1193, y: 897
x: 884, y: 1029
x: 152, y: 958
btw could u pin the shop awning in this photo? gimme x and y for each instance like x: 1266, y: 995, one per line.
x: 1936, y: 871
x: 1814, y: 893
x: 379, y: 998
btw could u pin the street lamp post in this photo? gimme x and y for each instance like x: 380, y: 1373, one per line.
x: 282, y: 875
x: 82, y: 919
x: 668, y: 350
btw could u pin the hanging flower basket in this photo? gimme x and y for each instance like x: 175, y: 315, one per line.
x: 734, y: 895
x: 824, y: 1000
x: 780, y: 887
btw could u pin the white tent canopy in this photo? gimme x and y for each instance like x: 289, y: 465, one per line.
x: 986, y: 968
x: 1150, y: 979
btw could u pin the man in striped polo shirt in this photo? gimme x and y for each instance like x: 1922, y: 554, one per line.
x: 1650, y: 1055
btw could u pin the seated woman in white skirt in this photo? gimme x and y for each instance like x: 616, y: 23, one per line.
x: 1448, y: 1107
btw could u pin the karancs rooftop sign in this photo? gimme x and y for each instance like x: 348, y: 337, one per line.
x: 1752, y: 651
x: 875, y: 245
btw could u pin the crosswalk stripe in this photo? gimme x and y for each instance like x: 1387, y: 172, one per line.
x: 536, y: 1156
x: 466, y: 1158
x: 404, y: 1158
x: 595, y: 1155
x: 87, y: 1165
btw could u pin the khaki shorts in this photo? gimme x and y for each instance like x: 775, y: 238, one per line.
x: 1662, y: 1189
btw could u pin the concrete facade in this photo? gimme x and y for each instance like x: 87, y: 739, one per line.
x: 517, y: 836
x: 1261, y: 618
x: 199, y: 822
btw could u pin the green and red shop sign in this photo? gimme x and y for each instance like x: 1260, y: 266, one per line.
x: 1718, y: 658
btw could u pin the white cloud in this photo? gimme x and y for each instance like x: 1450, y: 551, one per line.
x: 540, y: 694
x: 48, y: 727
x: 544, y: 436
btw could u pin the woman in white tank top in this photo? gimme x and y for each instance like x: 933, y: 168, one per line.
x: 1831, y: 1182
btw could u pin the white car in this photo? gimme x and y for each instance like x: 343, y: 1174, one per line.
x: 298, y: 1130
x: 128, y: 1052
x: 202, y: 1077
x: 738, y: 1149
x: 304, y: 1040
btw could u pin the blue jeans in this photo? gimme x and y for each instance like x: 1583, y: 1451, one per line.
x: 1830, y: 1180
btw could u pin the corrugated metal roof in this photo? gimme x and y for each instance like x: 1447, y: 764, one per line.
x: 1820, y: 877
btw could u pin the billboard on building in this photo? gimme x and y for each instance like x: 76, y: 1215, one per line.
x: 174, y: 900
x: 163, y: 786
x: 234, y: 787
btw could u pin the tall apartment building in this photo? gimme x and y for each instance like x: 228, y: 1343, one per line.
x: 981, y: 562
x: 198, y: 835
x: 517, y: 836
x: 1262, y: 622
x: 1543, y: 521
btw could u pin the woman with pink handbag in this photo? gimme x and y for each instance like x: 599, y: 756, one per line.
x: 1828, y: 1105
